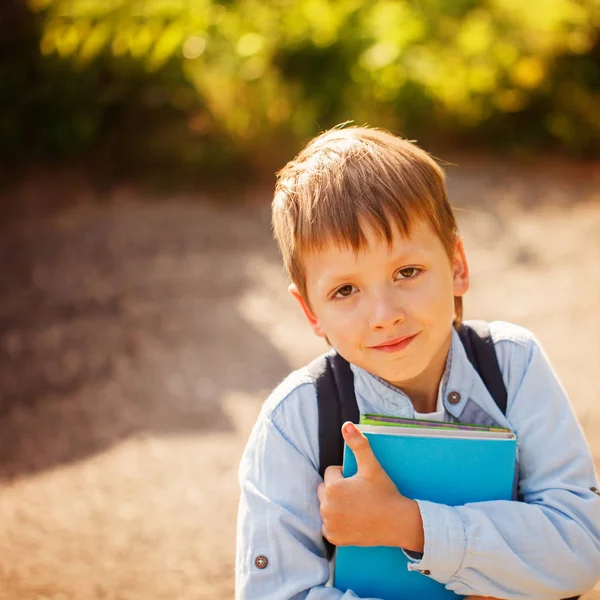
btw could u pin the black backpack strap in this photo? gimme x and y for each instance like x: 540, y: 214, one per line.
x: 334, y: 383
x: 336, y: 400
x: 479, y: 346
x: 477, y: 340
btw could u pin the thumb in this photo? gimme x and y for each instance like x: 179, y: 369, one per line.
x: 365, y: 459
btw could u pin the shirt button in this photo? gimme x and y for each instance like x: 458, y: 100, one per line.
x: 425, y: 571
x: 454, y: 397
x: 261, y: 562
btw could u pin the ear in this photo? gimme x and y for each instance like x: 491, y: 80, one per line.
x: 460, y: 269
x: 308, y: 313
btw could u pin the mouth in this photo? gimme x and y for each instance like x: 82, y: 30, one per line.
x: 395, y: 344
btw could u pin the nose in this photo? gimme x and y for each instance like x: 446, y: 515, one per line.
x: 385, y: 311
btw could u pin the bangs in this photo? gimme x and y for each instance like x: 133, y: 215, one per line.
x: 342, y: 210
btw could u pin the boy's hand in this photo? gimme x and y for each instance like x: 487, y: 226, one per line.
x: 367, y: 509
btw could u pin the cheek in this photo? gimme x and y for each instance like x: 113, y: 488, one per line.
x: 342, y: 319
x: 435, y: 301
x: 342, y: 322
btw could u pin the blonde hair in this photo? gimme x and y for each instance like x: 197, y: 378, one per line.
x: 347, y: 177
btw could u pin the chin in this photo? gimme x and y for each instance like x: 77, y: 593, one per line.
x: 396, y: 375
x: 397, y: 379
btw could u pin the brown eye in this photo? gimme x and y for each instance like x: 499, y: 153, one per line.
x: 407, y: 273
x: 345, y: 291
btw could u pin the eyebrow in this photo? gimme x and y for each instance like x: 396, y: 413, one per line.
x: 335, y: 278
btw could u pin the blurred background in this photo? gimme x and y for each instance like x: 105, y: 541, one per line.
x: 143, y: 310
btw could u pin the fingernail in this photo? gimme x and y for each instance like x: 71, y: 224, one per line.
x: 349, y: 429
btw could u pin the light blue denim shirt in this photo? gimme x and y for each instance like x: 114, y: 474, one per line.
x: 545, y: 547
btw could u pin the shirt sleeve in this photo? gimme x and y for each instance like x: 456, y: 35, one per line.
x: 547, y: 546
x: 280, y: 551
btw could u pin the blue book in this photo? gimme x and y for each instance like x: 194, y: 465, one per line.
x: 448, y: 466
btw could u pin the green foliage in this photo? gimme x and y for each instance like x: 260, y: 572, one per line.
x: 193, y: 80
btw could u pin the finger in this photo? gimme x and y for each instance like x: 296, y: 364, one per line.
x: 365, y: 459
x: 321, y: 492
x: 332, y: 474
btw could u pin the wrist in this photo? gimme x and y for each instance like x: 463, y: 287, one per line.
x: 407, y: 529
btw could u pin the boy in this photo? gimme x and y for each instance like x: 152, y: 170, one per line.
x: 376, y: 263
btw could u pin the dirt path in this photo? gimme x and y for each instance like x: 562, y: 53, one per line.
x: 138, y: 339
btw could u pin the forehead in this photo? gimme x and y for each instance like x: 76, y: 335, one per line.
x: 336, y: 256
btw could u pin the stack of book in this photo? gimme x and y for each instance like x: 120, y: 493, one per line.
x: 447, y: 463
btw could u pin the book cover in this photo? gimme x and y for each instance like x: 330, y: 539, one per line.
x: 448, y: 466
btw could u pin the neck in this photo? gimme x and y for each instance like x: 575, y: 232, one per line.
x: 424, y: 404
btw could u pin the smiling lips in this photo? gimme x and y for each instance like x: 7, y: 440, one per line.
x: 396, y: 344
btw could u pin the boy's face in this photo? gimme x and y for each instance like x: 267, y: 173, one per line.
x: 388, y: 309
